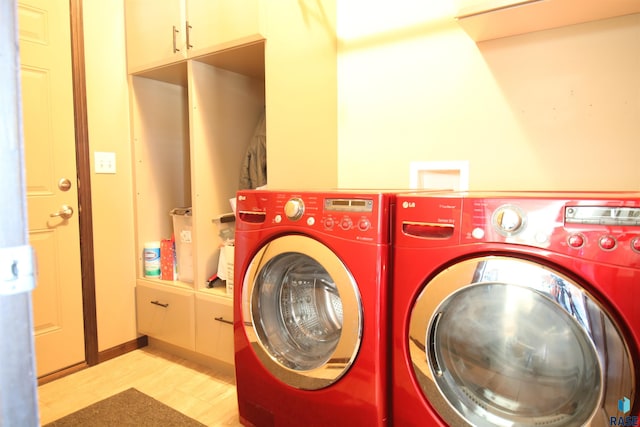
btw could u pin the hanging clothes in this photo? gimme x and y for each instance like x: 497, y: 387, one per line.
x: 254, y: 167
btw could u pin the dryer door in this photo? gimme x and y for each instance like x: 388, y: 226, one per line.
x: 302, y: 312
x: 502, y: 341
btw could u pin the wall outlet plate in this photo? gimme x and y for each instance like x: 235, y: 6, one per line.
x: 444, y: 175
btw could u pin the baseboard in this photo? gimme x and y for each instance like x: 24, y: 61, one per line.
x: 192, y: 356
x: 123, y: 348
x: 103, y: 356
x: 61, y: 373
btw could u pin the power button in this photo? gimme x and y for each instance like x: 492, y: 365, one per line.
x: 364, y: 224
x: 607, y: 243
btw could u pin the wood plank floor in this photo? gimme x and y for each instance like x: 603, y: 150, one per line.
x: 205, y: 394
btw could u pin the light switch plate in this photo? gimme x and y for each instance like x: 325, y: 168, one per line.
x: 105, y: 162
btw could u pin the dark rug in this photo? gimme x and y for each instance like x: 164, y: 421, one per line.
x: 128, y: 408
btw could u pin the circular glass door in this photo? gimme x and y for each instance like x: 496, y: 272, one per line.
x: 500, y: 341
x: 302, y: 312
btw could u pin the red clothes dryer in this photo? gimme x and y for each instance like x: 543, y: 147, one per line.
x: 516, y: 309
x: 310, y: 308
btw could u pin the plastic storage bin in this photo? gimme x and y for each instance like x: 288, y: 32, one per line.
x: 226, y: 225
x: 182, y: 224
x: 229, y: 254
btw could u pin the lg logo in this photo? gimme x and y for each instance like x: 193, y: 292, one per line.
x: 406, y: 204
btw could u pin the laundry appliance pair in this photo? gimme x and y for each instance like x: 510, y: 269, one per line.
x: 512, y: 309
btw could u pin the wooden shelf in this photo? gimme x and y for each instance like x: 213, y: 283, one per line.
x: 486, y: 20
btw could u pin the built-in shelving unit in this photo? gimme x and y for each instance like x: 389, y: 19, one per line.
x: 201, y: 75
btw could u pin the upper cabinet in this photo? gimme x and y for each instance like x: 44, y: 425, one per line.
x: 220, y: 24
x: 160, y: 33
x: 155, y: 31
x: 492, y: 19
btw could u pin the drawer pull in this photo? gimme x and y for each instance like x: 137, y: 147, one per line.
x: 223, y: 320
x: 160, y: 304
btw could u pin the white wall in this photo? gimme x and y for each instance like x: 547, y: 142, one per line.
x: 111, y: 194
x: 557, y: 109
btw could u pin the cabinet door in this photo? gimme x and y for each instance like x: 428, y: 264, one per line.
x: 166, y: 313
x: 219, y: 24
x: 151, y: 39
x: 214, y: 327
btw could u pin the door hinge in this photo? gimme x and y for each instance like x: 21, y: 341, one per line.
x: 17, y: 270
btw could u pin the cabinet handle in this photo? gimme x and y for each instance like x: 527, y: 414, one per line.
x: 223, y: 320
x: 175, y: 39
x: 160, y: 304
x: 189, y: 27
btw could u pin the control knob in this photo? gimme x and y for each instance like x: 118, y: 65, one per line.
x: 508, y: 220
x: 346, y: 223
x: 294, y: 208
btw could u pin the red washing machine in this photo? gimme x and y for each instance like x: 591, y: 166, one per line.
x: 310, y: 307
x: 516, y: 309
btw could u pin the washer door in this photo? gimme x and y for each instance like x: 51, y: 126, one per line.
x: 302, y: 312
x: 501, y: 341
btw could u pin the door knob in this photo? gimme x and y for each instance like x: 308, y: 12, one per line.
x: 64, y: 184
x: 65, y: 212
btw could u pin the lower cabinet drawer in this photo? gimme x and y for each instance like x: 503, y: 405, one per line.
x: 214, y: 327
x: 166, y: 314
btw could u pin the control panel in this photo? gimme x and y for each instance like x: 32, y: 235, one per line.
x: 357, y: 216
x: 600, y: 230
x: 603, y: 230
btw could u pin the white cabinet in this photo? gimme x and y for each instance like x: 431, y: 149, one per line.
x: 154, y: 32
x: 166, y: 313
x: 161, y: 33
x: 192, y: 122
x: 491, y: 19
x: 193, y: 117
x: 214, y: 25
x: 214, y: 327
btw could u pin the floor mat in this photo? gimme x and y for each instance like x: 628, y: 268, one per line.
x: 128, y: 408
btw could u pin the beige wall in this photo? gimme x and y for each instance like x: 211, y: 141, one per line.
x: 301, y: 82
x: 557, y: 109
x: 112, y: 194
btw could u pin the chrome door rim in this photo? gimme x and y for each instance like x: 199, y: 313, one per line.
x: 348, y: 344
x: 431, y: 303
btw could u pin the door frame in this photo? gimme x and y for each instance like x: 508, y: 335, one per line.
x: 84, y: 177
x: 85, y: 215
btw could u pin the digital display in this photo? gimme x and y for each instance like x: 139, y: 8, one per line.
x: 602, y: 215
x: 349, y: 205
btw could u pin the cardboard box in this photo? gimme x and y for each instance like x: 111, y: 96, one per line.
x: 226, y: 226
x: 182, y: 225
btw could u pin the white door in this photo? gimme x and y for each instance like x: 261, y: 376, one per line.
x: 49, y: 137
